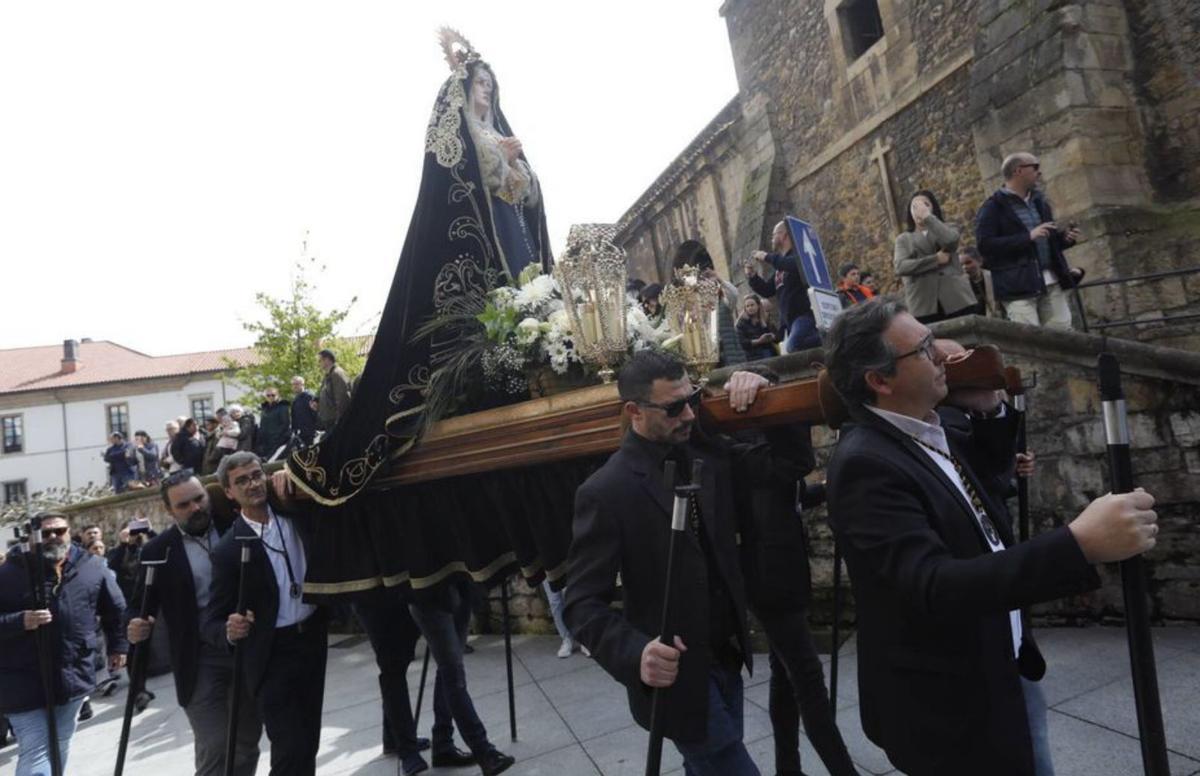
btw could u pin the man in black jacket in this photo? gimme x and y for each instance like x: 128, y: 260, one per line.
x: 938, y: 582
x: 1022, y: 246
x: 78, y: 589
x: 304, y: 417
x: 203, y: 669
x: 790, y: 289
x: 622, y: 526
x: 284, y: 638
x: 274, y: 427
x: 778, y: 585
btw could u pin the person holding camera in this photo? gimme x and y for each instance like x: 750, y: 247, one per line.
x: 1022, y: 246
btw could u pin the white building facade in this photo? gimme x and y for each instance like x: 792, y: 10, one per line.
x: 56, y: 425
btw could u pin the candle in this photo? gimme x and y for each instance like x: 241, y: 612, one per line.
x: 588, y: 323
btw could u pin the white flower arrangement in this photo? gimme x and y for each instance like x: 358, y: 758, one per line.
x: 530, y: 328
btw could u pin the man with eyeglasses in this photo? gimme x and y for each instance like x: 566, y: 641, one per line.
x: 938, y: 581
x: 78, y: 589
x: 623, y: 525
x: 1022, y: 246
x: 203, y: 668
x: 283, y: 638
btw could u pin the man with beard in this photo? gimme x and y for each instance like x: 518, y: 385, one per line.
x: 283, y: 638
x: 77, y: 588
x: 203, y: 669
x: 623, y: 526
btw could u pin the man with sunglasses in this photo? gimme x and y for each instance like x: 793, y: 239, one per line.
x: 203, y: 668
x: 622, y: 526
x: 78, y: 589
x: 282, y: 636
x: 1022, y: 246
x: 938, y: 580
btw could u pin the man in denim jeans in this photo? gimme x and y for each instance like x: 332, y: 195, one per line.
x: 787, y: 285
x: 623, y: 526
x: 78, y: 588
x: 442, y: 613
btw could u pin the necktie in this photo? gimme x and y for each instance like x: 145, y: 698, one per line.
x: 985, y: 522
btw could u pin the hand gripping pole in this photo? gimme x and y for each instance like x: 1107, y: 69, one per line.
x: 679, y: 520
x: 1133, y: 579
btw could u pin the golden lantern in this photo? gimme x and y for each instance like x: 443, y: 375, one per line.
x: 591, y: 275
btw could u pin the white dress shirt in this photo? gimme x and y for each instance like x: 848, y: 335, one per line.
x: 930, y: 432
x: 277, y: 534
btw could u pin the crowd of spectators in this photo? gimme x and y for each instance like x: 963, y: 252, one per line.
x: 200, y: 444
x: 1015, y: 269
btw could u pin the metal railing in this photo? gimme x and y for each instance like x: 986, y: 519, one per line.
x: 1165, y: 319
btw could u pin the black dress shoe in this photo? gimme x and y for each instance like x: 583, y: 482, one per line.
x: 422, y: 744
x: 413, y: 764
x: 494, y: 761
x: 85, y: 711
x: 452, y: 758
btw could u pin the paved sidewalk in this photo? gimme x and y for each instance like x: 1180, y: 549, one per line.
x: 573, y: 719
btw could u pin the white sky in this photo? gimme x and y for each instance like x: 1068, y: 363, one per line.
x: 160, y: 162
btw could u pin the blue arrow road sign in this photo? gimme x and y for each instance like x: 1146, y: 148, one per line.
x: 812, y: 259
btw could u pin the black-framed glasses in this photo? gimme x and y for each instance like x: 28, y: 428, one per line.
x: 675, y: 408
x: 258, y: 475
x: 1034, y: 165
x: 927, y: 346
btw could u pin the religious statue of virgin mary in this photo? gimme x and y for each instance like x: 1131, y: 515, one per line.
x: 478, y: 222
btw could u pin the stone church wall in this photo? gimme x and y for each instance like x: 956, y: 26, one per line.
x: 1163, y: 36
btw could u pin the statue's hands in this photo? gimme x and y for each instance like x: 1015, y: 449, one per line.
x: 511, y: 147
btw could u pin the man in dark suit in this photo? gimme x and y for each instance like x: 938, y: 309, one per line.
x: 622, y: 526
x: 937, y: 579
x: 774, y: 554
x: 203, y: 669
x: 284, y: 638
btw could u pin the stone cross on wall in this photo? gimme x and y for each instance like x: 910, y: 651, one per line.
x: 879, y: 155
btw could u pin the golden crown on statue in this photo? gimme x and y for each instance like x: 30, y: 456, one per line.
x: 591, y: 275
x: 690, y: 305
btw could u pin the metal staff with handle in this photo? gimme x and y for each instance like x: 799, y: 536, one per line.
x: 1133, y: 579
x: 1016, y: 389
x: 835, y: 633
x: 508, y: 664
x: 421, y: 688
x: 239, y: 659
x: 138, y: 660
x: 679, y: 518
x: 37, y: 579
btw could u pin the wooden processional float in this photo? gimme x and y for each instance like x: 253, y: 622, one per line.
x: 587, y: 421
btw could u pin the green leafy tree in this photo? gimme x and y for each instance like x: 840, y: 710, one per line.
x: 289, y: 335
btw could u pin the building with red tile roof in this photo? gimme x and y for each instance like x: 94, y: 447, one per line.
x: 59, y: 403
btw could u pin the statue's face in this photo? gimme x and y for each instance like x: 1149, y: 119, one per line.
x: 482, y: 87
